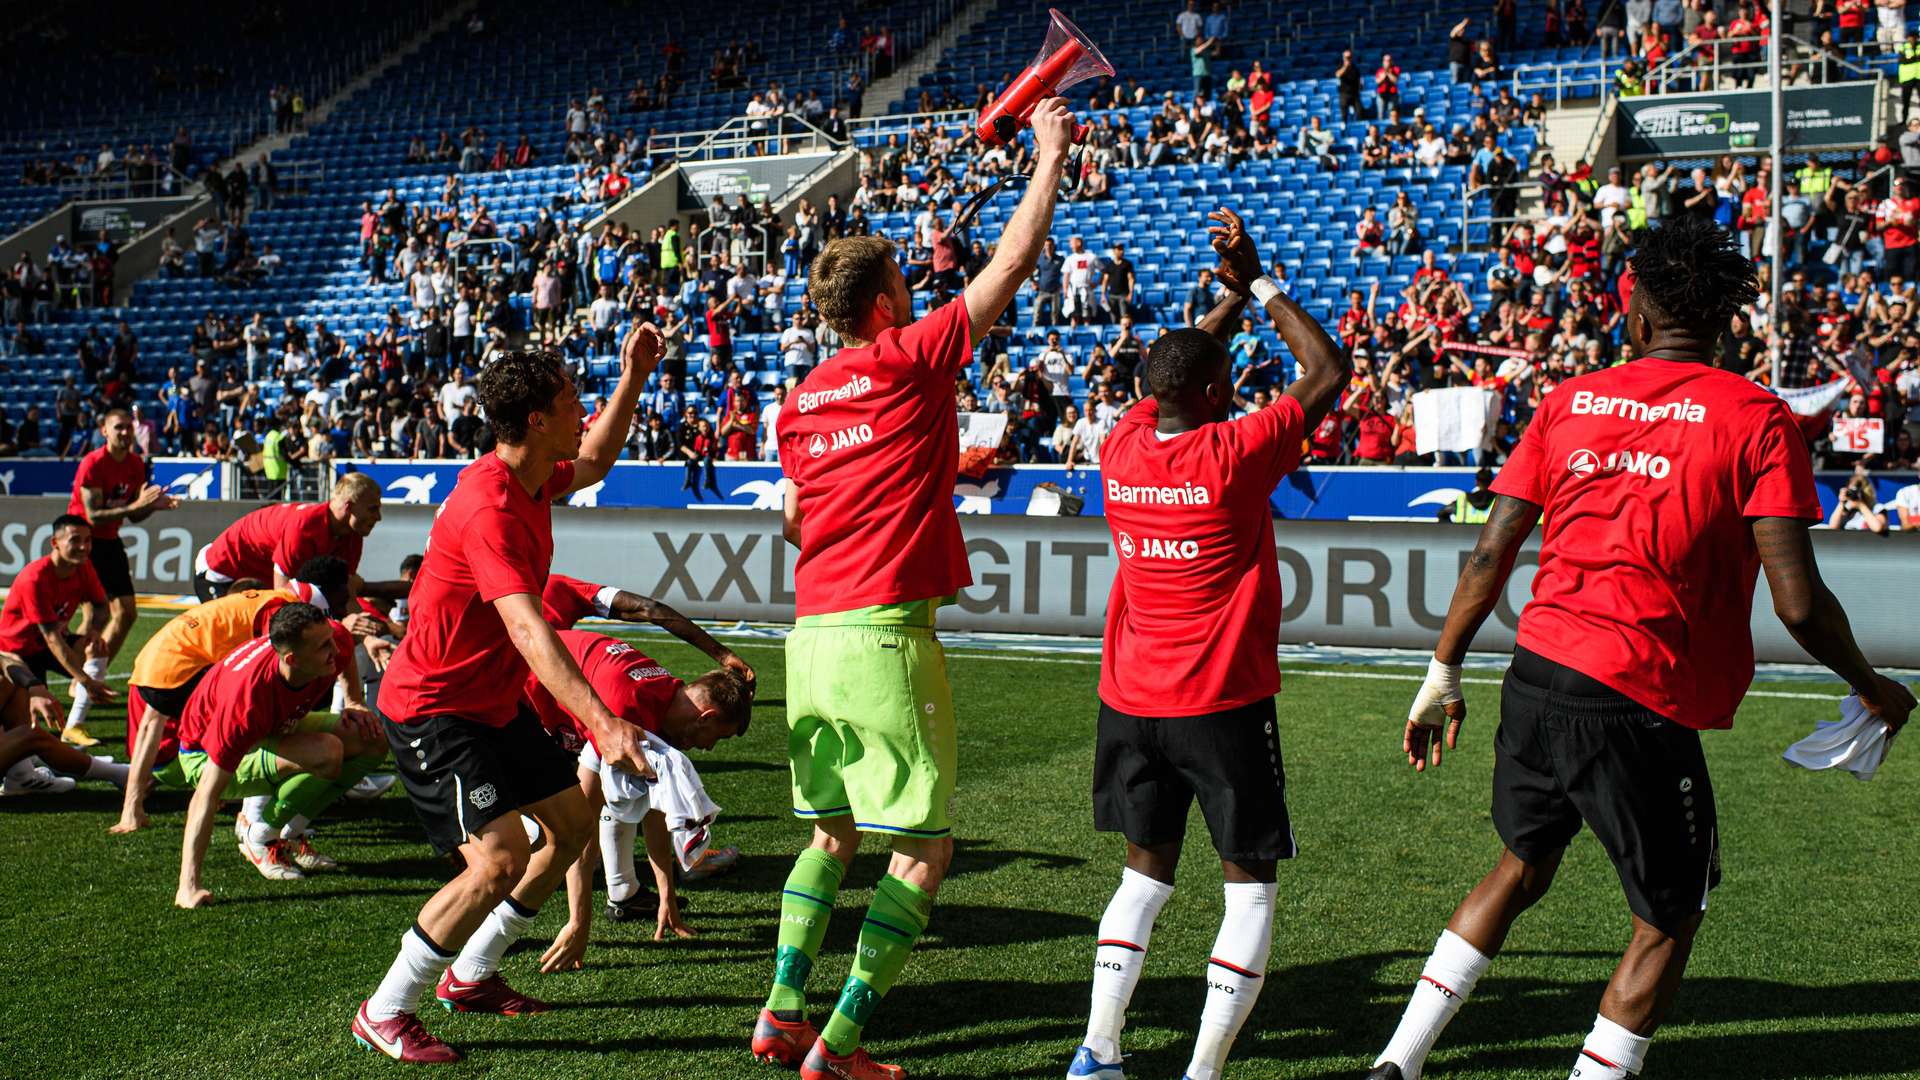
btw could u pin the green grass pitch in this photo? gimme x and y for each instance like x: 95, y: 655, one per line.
x: 1808, y: 964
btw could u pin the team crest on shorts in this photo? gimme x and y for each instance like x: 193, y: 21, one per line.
x: 482, y: 796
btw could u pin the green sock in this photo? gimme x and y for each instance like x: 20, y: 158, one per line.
x: 806, y: 903
x: 307, y: 795
x: 894, y: 922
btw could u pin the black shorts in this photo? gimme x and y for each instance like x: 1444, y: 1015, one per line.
x: 462, y: 775
x: 44, y: 662
x: 171, y: 700
x: 208, y: 589
x: 110, y: 563
x: 1148, y: 771
x: 1572, y: 750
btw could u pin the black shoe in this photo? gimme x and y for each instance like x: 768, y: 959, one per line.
x: 1386, y: 1071
x: 640, y: 907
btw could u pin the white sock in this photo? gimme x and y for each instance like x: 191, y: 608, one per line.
x: 295, y: 827
x: 107, y: 769
x: 616, y: 856
x: 260, y: 834
x: 1445, y: 982
x: 1119, y: 955
x: 481, y: 957
x: 82, y: 700
x: 1235, y: 973
x: 417, y: 967
x: 255, y: 808
x: 1611, y: 1053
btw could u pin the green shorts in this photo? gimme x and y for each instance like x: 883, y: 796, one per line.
x: 870, y: 721
x: 258, y: 774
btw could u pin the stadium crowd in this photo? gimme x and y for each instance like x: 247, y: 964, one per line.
x: 1557, y: 277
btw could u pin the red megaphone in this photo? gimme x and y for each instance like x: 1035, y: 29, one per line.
x: 1066, y: 59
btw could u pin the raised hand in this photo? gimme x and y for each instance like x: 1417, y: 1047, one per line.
x: 1239, y: 260
x: 641, y: 351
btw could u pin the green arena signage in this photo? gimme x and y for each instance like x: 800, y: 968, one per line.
x: 1694, y: 125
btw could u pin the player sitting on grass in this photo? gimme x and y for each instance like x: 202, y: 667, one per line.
x: 32, y: 759
x: 270, y: 829
x: 676, y: 717
x: 1667, y: 484
x: 243, y: 728
x: 568, y: 600
x: 34, y: 622
x: 1188, y: 669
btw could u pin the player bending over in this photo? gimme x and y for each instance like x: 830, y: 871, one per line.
x: 268, y: 544
x: 241, y: 732
x: 110, y: 488
x: 40, y: 604
x: 31, y: 760
x: 271, y: 829
x: 565, y: 602
x: 1667, y: 484
x: 675, y: 717
x: 1189, y: 668
x: 870, y: 445
x: 472, y: 756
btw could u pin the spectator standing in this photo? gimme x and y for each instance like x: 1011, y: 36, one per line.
x: 1347, y: 75
x: 1386, y: 87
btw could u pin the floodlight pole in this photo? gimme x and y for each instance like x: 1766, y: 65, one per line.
x: 1776, y: 225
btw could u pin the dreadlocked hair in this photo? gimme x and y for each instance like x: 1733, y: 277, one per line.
x: 1694, y: 273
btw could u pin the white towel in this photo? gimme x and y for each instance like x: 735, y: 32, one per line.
x: 676, y: 792
x: 683, y: 800
x: 1857, y: 742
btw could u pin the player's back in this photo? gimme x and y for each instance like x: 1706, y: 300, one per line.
x: 204, y: 634
x: 1648, y: 473
x: 871, y: 443
x: 1194, y: 616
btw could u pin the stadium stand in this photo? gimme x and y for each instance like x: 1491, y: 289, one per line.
x: 433, y: 150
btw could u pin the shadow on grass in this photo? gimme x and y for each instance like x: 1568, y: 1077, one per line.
x: 1336, y: 1010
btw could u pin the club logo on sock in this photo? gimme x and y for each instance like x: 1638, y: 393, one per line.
x: 483, y: 796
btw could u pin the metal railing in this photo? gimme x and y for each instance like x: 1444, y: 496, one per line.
x: 1467, y: 221
x: 123, y: 183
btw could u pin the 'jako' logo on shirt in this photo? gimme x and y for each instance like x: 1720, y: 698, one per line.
x: 1154, y: 547
x: 840, y: 440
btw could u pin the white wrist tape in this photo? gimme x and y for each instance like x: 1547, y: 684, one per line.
x: 1264, y: 289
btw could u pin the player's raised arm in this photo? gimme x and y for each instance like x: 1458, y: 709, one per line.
x: 1818, y: 621
x: 1322, y: 368
x: 632, y: 607
x: 600, y: 447
x: 989, y: 293
x: 618, y: 742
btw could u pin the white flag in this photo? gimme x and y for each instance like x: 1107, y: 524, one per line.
x: 1454, y: 420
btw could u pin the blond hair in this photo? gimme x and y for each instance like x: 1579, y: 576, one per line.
x: 848, y: 275
x: 353, y: 486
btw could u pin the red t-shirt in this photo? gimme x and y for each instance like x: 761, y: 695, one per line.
x: 1648, y: 473
x: 1899, y: 222
x: 1329, y: 438
x: 119, y: 483
x: 39, y: 596
x: 243, y: 700
x: 281, y: 536
x: 870, y: 445
x: 1853, y: 13
x: 634, y: 687
x: 1375, y: 442
x: 565, y: 601
x: 490, y: 539
x: 1193, y: 621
